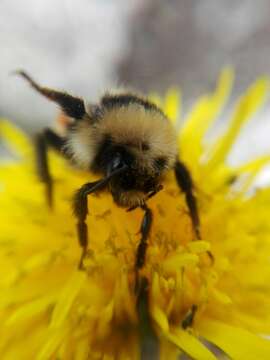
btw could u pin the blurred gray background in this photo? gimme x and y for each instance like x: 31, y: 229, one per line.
x: 88, y: 46
x: 188, y: 42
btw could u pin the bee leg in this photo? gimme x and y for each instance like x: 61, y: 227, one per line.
x: 80, y: 208
x: 43, y: 140
x: 185, y: 183
x: 142, y: 247
x: 144, y: 230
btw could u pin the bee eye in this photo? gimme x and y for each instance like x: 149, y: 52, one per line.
x: 117, y: 161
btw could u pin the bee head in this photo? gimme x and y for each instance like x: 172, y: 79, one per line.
x: 112, y: 157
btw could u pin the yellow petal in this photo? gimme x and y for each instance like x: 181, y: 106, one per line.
x: 238, y: 344
x: 190, y: 345
x: 123, y: 300
x: 105, y: 318
x: 189, y: 136
x: 66, y: 298
x: 247, y: 106
x: 251, y: 170
x: 172, y: 105
x: 31, y: 309
x: 253, y: 165
x: 221, y: 297
x: 198, y: 246
x: 160, y: 317
x: 55, y: 338
x: 178, y: 261
x: 203, y: 113
x: 17, y: 140
x: 37, y: 260
x: 82, y: 351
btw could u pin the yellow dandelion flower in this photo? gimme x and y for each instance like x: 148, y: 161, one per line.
x: 50, y: 310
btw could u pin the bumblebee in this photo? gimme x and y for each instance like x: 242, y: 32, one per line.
x: 125, y: 139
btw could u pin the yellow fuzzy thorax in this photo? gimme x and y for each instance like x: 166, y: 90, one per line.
x: 50, y: 310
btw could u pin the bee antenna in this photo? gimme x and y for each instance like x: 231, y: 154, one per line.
x: 72, y: 106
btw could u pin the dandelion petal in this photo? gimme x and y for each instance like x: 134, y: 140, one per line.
x: 237, y: 343
x: 190, y: 345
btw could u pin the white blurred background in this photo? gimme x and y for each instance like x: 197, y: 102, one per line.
x: 87, y: 46
x: 69, y: 44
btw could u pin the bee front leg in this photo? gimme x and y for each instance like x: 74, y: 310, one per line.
x: 43, y: 140
x: 145, y: 231
x: 80, y: 208
x: 142, y: 247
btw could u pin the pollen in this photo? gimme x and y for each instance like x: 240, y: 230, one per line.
x: 188, y: 301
